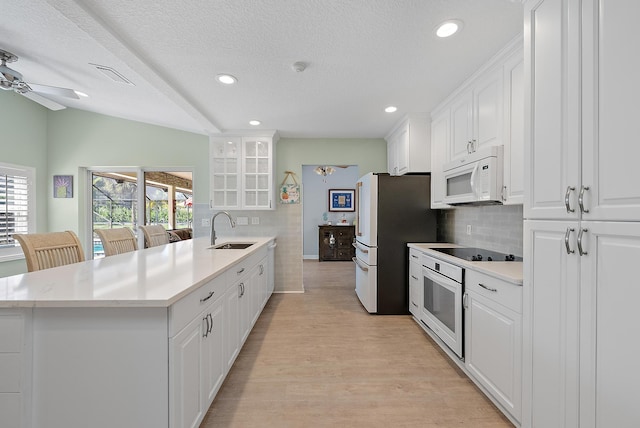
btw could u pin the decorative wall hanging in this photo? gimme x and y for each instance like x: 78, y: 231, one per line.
x: 289, y: 192
x: 342, y: 200
x: 63, y: 186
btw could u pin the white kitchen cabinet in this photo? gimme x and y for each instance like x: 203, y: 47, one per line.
x: 15, y: 362
x: 581, y: 101
x: 514, y: 129
x: 213, y: 350
x: 440, y: 134
x: 476, y: 115
x: 409, y: 146
x: 594, y: 162
x: 487, y: 110
x: 493, y: 338
x: 241, y: 172
x: 415, y: 282
x: 232, y: 325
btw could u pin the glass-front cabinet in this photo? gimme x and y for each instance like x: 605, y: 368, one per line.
x: 242, y: 172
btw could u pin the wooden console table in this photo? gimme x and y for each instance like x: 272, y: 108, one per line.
x: 338, y: 248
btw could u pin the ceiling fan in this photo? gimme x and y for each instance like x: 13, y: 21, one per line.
x: 11, y: 80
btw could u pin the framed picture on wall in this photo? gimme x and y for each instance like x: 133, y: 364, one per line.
x: 63, y: 186
x: 342, y: 200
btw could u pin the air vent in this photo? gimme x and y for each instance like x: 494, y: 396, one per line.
x: 113, y: 74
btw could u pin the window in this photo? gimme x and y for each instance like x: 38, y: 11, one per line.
x: 17, y: 207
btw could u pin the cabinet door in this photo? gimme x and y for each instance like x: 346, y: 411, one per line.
x: 415, y: 284
x: 257, y: 173
x: 440, y: 127
x: 550, y: 319
x: 461, y: 126
x: 225, y: 156
x: 610, y: 385
x: 232, y: 326
x: 514, y: 130
x: 610, y: 94
x: 402, y: 150
x: 15, y: 367
x: 487, y: 111
x: 186, y: 391
x: 493, y: 349
x: 213, y: 359
x: 552, y: 122
x: 392, y: 155
x: 246, y: 309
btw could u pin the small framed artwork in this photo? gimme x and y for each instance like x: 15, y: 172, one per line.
x: 342, y: 200
x: 63, y: 186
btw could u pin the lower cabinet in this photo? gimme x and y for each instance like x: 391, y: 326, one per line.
x: 415, y: 283
x: 15, y: 352
x: 493, y: 338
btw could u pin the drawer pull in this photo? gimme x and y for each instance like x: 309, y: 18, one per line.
x: 240, y: 271
x: 493, y: 290
x: 210, y: 295
x: 414, y: 277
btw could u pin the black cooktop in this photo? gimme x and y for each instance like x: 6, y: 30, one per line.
x: 479, y: 254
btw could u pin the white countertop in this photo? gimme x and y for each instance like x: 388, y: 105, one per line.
x: 153, y: 277
x: 507, y: 271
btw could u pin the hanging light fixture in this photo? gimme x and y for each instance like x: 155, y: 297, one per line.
x: 324, y: 170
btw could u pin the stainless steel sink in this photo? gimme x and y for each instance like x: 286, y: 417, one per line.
x: 232, y: 246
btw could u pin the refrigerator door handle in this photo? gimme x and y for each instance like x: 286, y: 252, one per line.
x: 360, y: 247
x: 357, y: 262
x: 358, y: 199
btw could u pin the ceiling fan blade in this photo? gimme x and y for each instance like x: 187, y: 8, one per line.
x: 53, y: 90
x: 51, y: 105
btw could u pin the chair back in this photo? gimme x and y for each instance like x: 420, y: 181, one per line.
x: 154, y: 235
x: 117, y: 241
x: 47, y: 250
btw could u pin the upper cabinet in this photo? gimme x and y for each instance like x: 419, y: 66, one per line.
x: 408, y: 146
x: 241, y: 172
x: 487, y: 110
x: 583, y: 99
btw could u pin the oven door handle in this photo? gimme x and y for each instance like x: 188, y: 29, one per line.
x: 359, y: 264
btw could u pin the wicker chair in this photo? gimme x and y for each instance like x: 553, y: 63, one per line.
x: 47, y: 250
x: 117, y: 241
x: 154, y: 235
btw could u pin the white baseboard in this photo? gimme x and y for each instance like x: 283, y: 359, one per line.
x: 311, y: 257
x: 288, y: 292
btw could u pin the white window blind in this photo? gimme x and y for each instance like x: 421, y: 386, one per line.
x: 17, y: 207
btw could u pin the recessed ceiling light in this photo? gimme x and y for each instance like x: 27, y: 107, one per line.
x: 254, y: 122
x: 227, y: 79
x: 81, y: 94
x: 448, y: 28
x: 391, y: 109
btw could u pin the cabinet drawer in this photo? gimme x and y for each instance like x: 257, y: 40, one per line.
x: 415, y: 256
x: 187, y: 308
x: 502, y: 292
x: 242, y: 268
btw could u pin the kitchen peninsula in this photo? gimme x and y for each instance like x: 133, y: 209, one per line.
x: 141, y: 339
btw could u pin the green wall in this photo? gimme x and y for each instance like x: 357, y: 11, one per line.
x: 369, y: 154
x: 23, y: 141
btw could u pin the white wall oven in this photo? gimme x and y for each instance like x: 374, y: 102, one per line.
x: 442, y: 302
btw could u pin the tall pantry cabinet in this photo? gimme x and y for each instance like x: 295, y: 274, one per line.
x: 582, y: 214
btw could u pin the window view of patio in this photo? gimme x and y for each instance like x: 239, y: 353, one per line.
x: 167, y: 201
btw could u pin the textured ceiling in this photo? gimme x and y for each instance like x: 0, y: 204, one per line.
x: 363, y: 55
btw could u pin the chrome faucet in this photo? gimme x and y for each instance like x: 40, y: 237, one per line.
x: 213, y: 230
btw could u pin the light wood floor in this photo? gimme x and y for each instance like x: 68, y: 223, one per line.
x: 319, y: 360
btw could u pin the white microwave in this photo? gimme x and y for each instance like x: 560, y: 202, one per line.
x: 476, y: 178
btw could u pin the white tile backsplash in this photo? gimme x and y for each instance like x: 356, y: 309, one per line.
x: 493, y: 227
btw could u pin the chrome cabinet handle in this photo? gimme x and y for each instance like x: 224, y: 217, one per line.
x: 241, y: 285
x: 580, y: 249
x: 493, y: 290
x: 468, y: 150
x: 206, y: 330
x: 581, y: 199
x: 464, y: 301
x: 261, y: 269
x: 566, y: 240
x: 567, y: 196
x: 210, y: 324
x: 204, y: 299
x: 504, y: 193
x: 474, y: 143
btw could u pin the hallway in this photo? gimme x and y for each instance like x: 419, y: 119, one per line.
x: 319, y: 360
